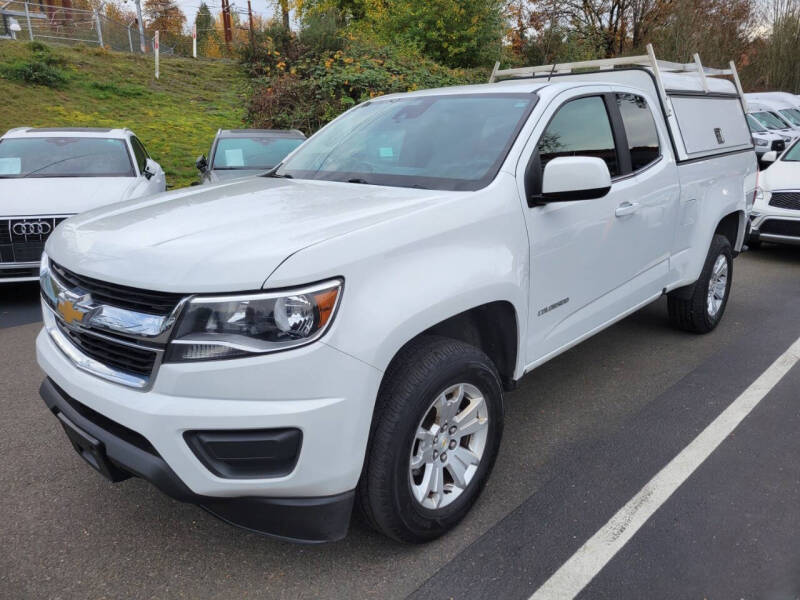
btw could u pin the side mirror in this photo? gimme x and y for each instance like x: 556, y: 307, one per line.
x: 201, y: 163
x: 569, y: 178
x: 769, y: 157
x: 150, y: 168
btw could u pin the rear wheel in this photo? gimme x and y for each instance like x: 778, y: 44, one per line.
x: 438, y: 426
x: 699, y: 308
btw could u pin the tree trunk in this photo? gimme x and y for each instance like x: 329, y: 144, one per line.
x: 285, y: 13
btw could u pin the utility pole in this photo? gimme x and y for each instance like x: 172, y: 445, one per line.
x: 226, y: 22
x: 141, y: 26
x: 252, y: 30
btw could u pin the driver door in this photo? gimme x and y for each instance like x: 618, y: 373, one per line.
x: 590, y: 260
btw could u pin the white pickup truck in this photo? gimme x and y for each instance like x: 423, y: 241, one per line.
x: 276, y: 348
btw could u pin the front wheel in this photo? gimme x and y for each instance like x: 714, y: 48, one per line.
x: 438, y: 425
x: 699, y: 308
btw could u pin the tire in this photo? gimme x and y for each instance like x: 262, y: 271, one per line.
x: 691, y: 308
x: 391, y: 494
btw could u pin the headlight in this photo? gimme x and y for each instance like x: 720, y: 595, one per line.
x: 761, y: 142
x: 250, y: 324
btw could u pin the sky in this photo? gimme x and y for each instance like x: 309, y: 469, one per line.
x: 265, y: 8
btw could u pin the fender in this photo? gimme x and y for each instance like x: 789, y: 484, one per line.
x: 704, y: 204
x: 404, y: 275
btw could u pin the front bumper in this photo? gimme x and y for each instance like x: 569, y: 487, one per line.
x: 300, y: 519
x: 324, y: 393
x: 19, y: 272
x: 776, y: 226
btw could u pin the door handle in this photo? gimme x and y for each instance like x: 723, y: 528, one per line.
x: 626, y: 208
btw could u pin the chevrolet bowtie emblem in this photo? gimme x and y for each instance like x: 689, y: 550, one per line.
x: 67, y: 310
x: 72, y: 308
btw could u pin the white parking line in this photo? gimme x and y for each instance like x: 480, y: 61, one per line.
x: 581, y: 568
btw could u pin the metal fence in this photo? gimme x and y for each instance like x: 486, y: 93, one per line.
x: 58, y: 25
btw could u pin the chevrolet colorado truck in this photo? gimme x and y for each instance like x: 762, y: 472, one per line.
x: 342, y: 330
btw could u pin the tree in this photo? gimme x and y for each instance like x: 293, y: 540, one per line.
x: 285, y: 7
x: 457, y: 33
x: 164, y: 16
x: 777, y: 60
x: 204, y: 24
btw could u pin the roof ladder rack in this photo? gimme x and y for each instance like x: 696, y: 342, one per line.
x: 648, y: 60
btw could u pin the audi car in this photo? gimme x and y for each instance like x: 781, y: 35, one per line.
x: 50, y: 174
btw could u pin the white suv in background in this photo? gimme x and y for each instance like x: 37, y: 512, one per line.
x: 776, y: 212
x: 47, y: 175
x: 764, y: 139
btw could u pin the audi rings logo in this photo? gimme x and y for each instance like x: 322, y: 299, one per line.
x: 32, y: 228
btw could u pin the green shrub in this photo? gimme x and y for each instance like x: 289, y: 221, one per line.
x: 36, y: 71
x: 37, y: 46
x: 107, y: 89
x: 313, y: 89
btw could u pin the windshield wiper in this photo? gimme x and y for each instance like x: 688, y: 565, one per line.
x: 358, y: 180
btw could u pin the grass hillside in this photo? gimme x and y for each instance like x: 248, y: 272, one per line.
x: 176, y: 117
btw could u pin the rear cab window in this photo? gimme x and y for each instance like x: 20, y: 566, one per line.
x: 640, y: 130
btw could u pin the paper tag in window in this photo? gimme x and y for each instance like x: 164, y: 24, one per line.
x: 386, y: 152
x: 234, y: 158
x: 10, y: 166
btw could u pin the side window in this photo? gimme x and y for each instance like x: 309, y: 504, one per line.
x: 640, y: 129
x: 580, y: 128
x: 139, y: 152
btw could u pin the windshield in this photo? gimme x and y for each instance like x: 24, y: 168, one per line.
x: 448, y: 142
x: 770, y: 120
x: 64, y: 157
x: 792, y: 115
x: 257, y: 152
x: 793, y: 153
x: 755, y: 126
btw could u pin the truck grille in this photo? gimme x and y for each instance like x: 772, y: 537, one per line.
x: 22, y: 239
x: 790, y: 200
x: 117, y: 355
x: 143, y: 301
x: 778, y: 145
x: 779, y: 227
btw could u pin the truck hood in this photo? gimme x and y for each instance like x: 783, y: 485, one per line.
x: 222, y: 238
x: 781, y: 175
x: 61, y: 195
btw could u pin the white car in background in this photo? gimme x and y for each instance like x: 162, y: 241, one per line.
x: 776, y: 213
x: 776, y: 116
x: 47, y: 175
x: 786, y: 104
x: 764, y: 140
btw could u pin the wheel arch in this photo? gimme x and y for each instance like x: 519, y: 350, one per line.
x: 492, y: 327
x: 733, y: 226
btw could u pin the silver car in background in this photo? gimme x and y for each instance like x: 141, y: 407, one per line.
x: 238, y: 153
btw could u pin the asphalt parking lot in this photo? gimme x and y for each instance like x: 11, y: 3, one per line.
x: 584, y: 433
